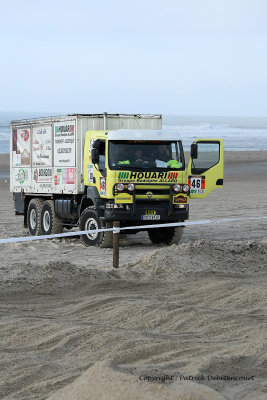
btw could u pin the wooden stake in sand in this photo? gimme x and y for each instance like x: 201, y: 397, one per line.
x: 116, y: 244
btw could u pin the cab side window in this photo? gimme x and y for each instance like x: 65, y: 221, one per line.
x: 208, y: 156
x: 102, y: 154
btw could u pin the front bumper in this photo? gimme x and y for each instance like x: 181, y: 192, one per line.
x: 160, y: 209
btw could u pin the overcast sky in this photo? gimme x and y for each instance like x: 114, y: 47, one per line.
x: 184, y: 57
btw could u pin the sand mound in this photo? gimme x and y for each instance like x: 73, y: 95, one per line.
x: 105, y: 381
x: 166, y: 263
x: 48, y: 278
x: 202, y: 256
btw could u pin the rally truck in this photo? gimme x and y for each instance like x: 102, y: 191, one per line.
x: 88, y: 170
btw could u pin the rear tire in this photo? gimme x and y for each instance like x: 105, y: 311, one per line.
x: 167, y: 236
x: 90, y: 221
x: 34, y: 217
x: 50, y: 223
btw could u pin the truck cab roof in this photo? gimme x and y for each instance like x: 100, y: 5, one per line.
x: 142, y: 134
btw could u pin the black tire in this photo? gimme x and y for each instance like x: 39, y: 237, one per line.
x: 34, y: 216
x: 50, y: 223
x: 168, y: 236
x: 90, y: 221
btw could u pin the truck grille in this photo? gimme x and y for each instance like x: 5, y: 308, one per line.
x: 152, y: 192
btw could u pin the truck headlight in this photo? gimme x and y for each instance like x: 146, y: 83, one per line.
x: 176, y: 188
x: 130, y: 187
x: 120, y: 187
x: 186, y: 188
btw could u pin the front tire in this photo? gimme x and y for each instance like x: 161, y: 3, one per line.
x: 90, y: 221
x: 167, y: 236
x: 50, y: 223
x: 34, y: 216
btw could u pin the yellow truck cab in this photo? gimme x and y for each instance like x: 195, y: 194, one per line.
x: 139, y: 177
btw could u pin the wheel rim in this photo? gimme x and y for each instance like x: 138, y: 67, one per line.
x: 91, y: 224
x: 33, y: 218
x: 46, y: 220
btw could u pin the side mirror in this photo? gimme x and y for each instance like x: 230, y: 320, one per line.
x: 95, y: 156
x: 194, y: 152
x: 96, y: 144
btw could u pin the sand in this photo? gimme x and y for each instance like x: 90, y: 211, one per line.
x: 178, y: 322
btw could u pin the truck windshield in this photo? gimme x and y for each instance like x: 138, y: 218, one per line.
x: 140, y: 154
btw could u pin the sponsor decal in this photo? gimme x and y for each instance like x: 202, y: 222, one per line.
x: 21, y: 176
x: 58, y: 177
x: 43, y: 175
x: 64, y: 176
x: 123, y: 175
x: 90, y: 172
x: 172, y: 175
x: 70, y: 176
x: 103, y: 187
x: 64, y: 128
x: 123, y: 198
x: 42, y: 146
x: 180, y: 199
x: 25, y: 134
x: 197, y: 184
x: 64, y: 145
x: 21, y: 147
x: 169, y: 176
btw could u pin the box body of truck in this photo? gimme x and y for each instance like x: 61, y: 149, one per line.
x: 46, y: 154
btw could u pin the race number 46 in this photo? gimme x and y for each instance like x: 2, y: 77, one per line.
x: 197, y: 184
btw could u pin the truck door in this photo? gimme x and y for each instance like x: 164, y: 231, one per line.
x: 205, y: 168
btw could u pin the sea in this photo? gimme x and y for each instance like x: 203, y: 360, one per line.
x: 238, y: 133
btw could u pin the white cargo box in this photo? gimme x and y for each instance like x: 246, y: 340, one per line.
x: 46, y: 154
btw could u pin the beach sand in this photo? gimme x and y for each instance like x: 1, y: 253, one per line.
x: 189, y: 317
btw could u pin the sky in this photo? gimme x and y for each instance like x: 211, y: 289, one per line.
x: 193, y: 57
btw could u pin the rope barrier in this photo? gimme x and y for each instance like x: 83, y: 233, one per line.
x: 117, y: 230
